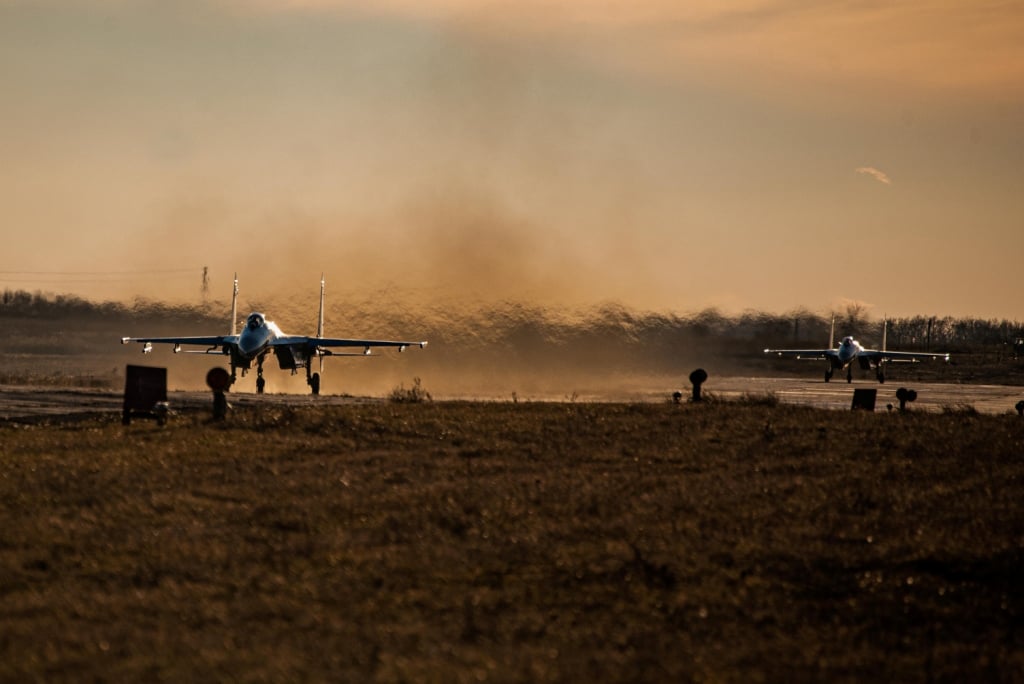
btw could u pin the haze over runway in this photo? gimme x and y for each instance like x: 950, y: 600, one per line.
x: 739, y: 154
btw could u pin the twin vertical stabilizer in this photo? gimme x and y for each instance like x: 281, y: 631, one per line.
x: 320, y: 323
x: 320, y: 319
x: 234, y: 309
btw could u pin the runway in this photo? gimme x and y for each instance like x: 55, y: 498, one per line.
x: 839, y: 395
x: 32, y: 402
x: 26, y: 403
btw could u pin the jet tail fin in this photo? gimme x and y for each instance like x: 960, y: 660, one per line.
x: 885, y: 333
x: 234, y: 309
x: 320, y: 321
x: 320, y: 317
x: 832, y: 334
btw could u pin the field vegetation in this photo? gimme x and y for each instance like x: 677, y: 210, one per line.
x: 517, y: 541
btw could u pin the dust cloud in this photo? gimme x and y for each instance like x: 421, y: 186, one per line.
x: 495, y: 350
x: 507, y: 305
x: 455, y: 249
x: 502, y: 349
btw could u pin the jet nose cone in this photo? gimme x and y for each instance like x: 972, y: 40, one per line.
x: 251, y: 342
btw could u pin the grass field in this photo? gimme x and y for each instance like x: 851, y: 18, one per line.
x: 450, y: 542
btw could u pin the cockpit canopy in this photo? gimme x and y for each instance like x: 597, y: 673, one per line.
x: 847, y: 341
x: 255, y: 321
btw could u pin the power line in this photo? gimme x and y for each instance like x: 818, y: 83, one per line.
x: 94, y: 277
x: 74, y: 281
x: 102, y: 273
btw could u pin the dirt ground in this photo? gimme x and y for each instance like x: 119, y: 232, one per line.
x: 745, y: 540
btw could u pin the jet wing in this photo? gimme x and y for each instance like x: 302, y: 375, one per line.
x: 806, y: 354
x: 326, y: 342
x: 901, y: 357
x: 213, y: 341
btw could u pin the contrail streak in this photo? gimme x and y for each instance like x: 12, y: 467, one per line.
x: 879, y: 176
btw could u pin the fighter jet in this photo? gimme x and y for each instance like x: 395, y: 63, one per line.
x: 261, y: 337
x: 850, y: 350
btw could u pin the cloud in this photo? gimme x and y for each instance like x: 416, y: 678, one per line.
x: 879, y: 176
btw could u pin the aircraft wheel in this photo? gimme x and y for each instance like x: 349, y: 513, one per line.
x: 314, y: 383
x: 260, y: 384
x: 881, y: 379
x: 828, y: 375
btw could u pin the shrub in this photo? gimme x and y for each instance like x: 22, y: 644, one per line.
x: 961, y: 409
x: 758, y: 399
x: 413, y: 395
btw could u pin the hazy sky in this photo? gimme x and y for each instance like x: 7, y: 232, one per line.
x: 744, y: 154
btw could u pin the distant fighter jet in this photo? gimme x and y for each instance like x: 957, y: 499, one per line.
x: 850, y: 350
x: 261, y: 337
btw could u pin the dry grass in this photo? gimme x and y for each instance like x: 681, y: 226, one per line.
x: 61, y: 379
x: 436, y: 541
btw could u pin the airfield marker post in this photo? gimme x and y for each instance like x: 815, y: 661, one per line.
x: 904, y: 395
x: 218, y: 380
x: 698, y: 378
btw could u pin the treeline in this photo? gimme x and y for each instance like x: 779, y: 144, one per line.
x: 915, y: 333
x: 23, y: 304
x: 803, y: 329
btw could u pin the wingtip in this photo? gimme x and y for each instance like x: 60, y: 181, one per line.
x: 423, y: 344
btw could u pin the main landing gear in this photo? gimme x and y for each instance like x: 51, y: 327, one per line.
x: 879, y: 374
x: 261, y: 382
x: 313, y: 380
x: 849, y: 374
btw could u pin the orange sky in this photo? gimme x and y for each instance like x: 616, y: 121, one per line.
x: 672, y: 156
